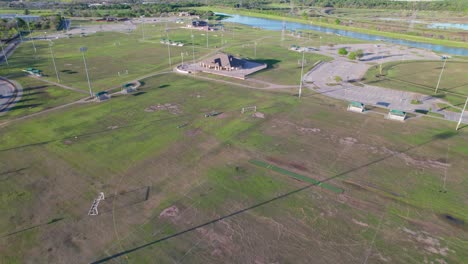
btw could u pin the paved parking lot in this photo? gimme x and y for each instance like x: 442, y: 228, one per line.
x: 323, y: 78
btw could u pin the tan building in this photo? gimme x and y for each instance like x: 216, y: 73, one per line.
x: 222, y: 62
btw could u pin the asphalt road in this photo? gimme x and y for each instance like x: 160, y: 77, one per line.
x: 8, y: 95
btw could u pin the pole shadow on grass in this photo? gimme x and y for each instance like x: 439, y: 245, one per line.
x: 55, y: 220
x: 7, y: 174
x: 440, y: 136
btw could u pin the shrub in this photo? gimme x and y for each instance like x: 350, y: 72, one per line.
x: 359, y: 54
x: 342, y: 51
x: 352, y: 55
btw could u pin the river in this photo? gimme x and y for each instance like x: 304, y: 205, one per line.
x: 272, y: 24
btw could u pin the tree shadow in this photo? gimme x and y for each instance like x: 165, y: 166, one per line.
x: 18, y: 107
x: 34, y: 88
x: 68, y: 71
x: 138, y: 93
x: 31, y: 94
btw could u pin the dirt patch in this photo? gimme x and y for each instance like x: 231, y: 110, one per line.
x: 67, y: 142
x: 193, y: 132
x: 304, y: 130
x: 359, y: 204
x: 349, y: 141
x: 258, y: 115
x: 410, y: 161
x: 429, y: 243
x: 221, y: 243
x: 169, y: 212
x: 172, y: 108
x: 359, y: 223
x: 297, y: 166
x: 112, y: 127
x: 222, y: 115
x: 307, y: 129
x: 291, y: 164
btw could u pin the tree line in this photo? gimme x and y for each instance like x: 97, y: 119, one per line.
x: 9, y: 28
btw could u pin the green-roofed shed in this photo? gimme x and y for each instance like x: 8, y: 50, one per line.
x: 356, y: 107
x: 102, y: 96
x: 397, y: 115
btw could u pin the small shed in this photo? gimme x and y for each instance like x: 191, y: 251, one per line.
x: 33, y: 71
x: 128, y: 88
x: 356, y: 107
x: 102, y: 96
x: 397, y: 115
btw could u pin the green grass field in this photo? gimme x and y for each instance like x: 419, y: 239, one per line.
x: 38, y: 96
x: 422, y: 77
x: 180, y: 187
x: 203, y: 170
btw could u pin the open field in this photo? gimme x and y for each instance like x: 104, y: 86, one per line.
x: 182, y: 188
x: 422, y: 77
x: 191, y: 195
x: 131, y: 56
x: 38, y: 96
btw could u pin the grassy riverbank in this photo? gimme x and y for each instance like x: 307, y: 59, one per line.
x: 257, y: 13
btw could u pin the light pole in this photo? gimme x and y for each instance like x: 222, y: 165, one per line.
x: 5, y: 56
x: 53, y: 60
x: 182, y: 54
x: 168, y: 48
x: 255, y: 49
x: 207, y: 30
x: 381, y: 61
x: 29, y: 28
x: 83, y: 50
x: 461, y: 115
x: 193, y: 46
x: 440, y: 76
x: 302, y: 73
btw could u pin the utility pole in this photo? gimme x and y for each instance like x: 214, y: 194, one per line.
x: 5, y: 56
x: 53, y: 60
x: 282, y: 32
x: 83, y: 50
x: 168, y: 48
x: 193, y: 46
x: 182, y: 54
x: 461, y: 115
x: 29, y: 28
x: 255, y: 49
x: 440, y: 76
x: 208, y: 29
x: 302, y: 73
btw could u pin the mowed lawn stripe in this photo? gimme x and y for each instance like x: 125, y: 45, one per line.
x: 297, y: 176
